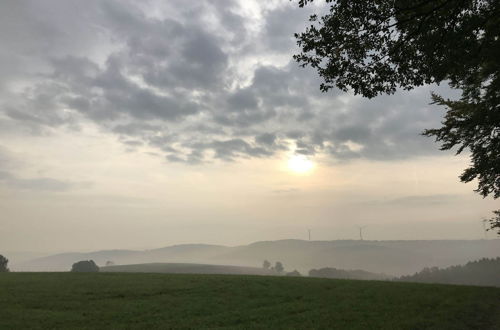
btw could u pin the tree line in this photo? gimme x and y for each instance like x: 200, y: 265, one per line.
x: 279, y: 269
x: 481, y: 272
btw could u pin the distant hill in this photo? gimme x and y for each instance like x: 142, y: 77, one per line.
x: 184, y: 268
x: 485, y: 272
x: 388, y: 257
x: 63, y: 261
x: 176, y: 253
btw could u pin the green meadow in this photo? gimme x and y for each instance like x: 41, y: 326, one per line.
x: 161, y: 301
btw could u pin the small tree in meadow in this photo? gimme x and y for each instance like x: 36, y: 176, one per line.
x: 3, y: 264
x: 278, y: 267
x: 85, y: 266
x: 266, y: 264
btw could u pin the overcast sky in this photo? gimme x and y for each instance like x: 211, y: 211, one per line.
x: 140, y: 124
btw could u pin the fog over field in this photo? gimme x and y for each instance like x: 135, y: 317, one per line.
x: 393, y: 258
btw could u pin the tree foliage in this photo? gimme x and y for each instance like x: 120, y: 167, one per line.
x: 266, y: 264
x: 3, y: 264
x: 278, y: 267
x: 377, y: 46
x: 476, y: 128
x: 495, y: 221
x: 85, y: 266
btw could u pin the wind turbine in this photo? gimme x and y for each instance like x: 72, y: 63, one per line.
x: 361, y: 231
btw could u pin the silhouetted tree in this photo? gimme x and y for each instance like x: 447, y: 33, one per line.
x: 374, y: 47
x: 278, y: 267
x: 495, y: 221
x: 3, y: 264
x: 266, y: 264
x: 85, y: 266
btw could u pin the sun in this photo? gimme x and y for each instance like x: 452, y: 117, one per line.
x: 300, y: 164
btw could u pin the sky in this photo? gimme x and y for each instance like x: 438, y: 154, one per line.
x: 141, y: 124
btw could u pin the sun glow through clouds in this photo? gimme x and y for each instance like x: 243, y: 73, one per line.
x: 300, y: 164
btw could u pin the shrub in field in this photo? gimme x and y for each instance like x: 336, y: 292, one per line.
x: 85, y: 266
x: 294, y: 273
x: 3, y: 264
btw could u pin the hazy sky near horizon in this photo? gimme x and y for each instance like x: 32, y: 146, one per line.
x: 127, y: 124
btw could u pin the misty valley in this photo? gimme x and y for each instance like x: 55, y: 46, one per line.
x: 383, y: 259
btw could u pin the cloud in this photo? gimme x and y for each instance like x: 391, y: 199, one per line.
x: 286, y: 191
x: 422, y: 200
x: 40, y: 184
x: 197, y: 82
x: 282, y: 22
x: 10, y: 163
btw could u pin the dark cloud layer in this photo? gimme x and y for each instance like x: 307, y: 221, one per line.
x: 193, y: 83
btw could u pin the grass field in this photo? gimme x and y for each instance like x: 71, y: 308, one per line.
x: 119, y: 300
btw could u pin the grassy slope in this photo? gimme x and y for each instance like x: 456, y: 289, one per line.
x: 118, y: 300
